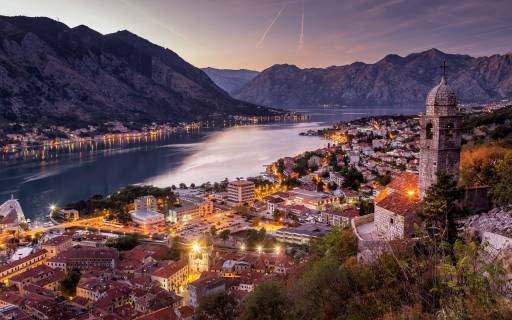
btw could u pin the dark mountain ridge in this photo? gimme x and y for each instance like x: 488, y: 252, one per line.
x: 50, y: 73
x: 230, y: 80
x: 393, y: 80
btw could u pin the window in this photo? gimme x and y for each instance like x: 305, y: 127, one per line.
x: 449, y: 130
x: 428, y: 131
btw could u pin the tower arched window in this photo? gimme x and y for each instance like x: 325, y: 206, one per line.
x: 449, y: 131
x: 429, y: 134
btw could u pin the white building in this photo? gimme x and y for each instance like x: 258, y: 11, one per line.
x: 145, y: 214
x: 241, y: 192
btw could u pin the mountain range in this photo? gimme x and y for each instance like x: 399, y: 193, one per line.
x: 394, y: 80
x: 50, y: 73
x: 230, y: 80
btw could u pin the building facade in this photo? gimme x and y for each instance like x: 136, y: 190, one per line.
x: 241, y: 192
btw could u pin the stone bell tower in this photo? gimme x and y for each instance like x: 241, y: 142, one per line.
x: 440, y: 137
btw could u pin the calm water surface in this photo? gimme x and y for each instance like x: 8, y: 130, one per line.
x: 207, y: 155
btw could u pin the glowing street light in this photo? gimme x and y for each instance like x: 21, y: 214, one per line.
x: 278, y: 249
x: 260, y: 249
x: 53, y: 207
x: 242, y: 247
x: 195, y: 247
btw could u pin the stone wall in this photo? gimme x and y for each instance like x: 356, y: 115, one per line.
x: 477, y: 199
x: 389, y: 226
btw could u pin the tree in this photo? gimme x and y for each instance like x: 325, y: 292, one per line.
x: 441, y: 208
x: 213, y: 230
x: 174, y: 252
x: 353, y: 178
x: 383, y: 180
x: 224, y: 235
x: 366, y: 207
x: 221, y: 306
x: 267, y: 302
x: 124, y: 243
x: 502, y: 191
x: 277, y: 215
x: 67, y: 286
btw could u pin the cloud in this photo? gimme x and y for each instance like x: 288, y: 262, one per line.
x: 264, y: 35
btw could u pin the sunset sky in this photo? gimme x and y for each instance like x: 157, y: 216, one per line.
x: 256, y: 34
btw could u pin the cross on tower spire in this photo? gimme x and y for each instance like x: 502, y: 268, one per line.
x: 444, y: 66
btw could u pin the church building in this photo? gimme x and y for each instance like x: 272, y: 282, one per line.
x: 396, y: 206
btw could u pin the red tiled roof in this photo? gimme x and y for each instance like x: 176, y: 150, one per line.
x: 404, y: 182
x: 23, y: 260
x: 162, y: 314
x: 169, y: 270
x: 400, y: 204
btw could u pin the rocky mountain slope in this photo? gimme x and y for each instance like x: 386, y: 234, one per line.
x: 230, y: 80
x: 51, y: 73
x: 394, y: 80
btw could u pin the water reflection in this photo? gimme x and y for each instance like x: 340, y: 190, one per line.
x: 61, y: 175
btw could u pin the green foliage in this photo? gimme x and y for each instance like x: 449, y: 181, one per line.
x: 384, y: 179
x: 224, y: 235
x: 441, y: 207
x: 277, y: 215
x: 174, y: 252
x: 366, y: 207
x: 124, y: 243
x: 67, y: 286
x: 221, y: 306
x: 340, y: 244
x: 353, y: 178
x: 290, y: 183
x: 320, y: 186
x: 267, y: 302
x: 502, y: 190
x: 118, y: 201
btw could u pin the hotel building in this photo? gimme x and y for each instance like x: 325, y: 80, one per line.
x: 241, y: 192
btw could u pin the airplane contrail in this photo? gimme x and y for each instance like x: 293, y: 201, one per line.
x: 264, y: 35
x: 301, y: 37
x: 146, y: 16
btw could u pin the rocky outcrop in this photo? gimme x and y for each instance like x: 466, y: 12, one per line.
x: 497, y: 220
x: 394, y: 80
x: 60, y: 75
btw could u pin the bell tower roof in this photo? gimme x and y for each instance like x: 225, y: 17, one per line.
x: 442, y: 100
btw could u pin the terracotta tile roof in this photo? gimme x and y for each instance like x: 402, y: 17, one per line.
x: 400, y: 204
x: 162, y: 314
x: 23, y: 260
x: 404, y: 182
x: 169, y: 270
x: 57, y: 240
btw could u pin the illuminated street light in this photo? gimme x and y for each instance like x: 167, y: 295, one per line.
x: 53, y: 207
x: 278, y: 249
x: 195, y: 247
x: 260, y: 249
x: 242, y: 247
